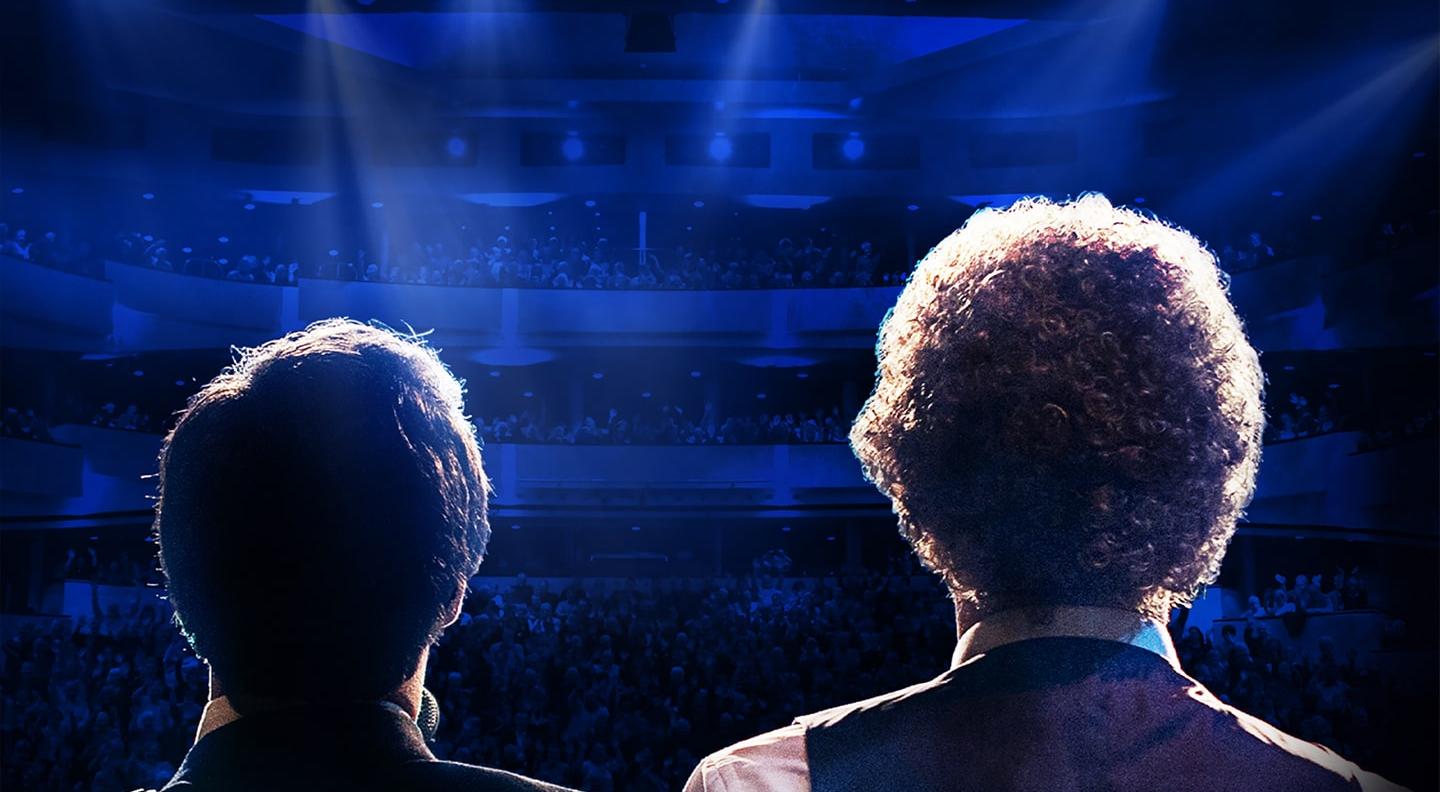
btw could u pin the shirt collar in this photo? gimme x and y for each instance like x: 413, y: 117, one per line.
x: 220, y: 712
x: 1072, y: 621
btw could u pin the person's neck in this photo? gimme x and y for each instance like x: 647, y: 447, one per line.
x: 406, y: 695
x: 968, y: 613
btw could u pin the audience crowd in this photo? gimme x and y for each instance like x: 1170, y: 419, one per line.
x: 1304, y: 415
x: 597, y: 264
x: 541, y: 263
x: 666, y: 425
x: 1346, y: 590
x: 1298, y: 416
x: 608, y: 685
x: 1401, y: 429
x: 672, y: 426
x: 48, y: 249
x: 132, y: 418
x: 24, y: 424
x: 1252, y: 253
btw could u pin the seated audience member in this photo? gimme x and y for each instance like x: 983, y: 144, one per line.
x: 315, y: 604
x: 1336, y: 594
x: 1300, y: 593
x: 1316, y: 601
x: 1356, y: 596
x: 1067, y: 421
x: 1277, y: 599
x: 1253, y: 608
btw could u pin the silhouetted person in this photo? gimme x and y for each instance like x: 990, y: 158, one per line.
x: 322, y: 508
x: 1067, y: 421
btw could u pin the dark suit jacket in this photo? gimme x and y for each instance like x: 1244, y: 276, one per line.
x: 349, y: 747
x: 1075, y: 714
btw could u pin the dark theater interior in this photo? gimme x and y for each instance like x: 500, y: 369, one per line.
x: 655, y: 240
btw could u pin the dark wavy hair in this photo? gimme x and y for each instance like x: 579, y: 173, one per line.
x: 322, y: 507
x: 1066, y: 410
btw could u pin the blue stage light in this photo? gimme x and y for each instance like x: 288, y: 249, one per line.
x: 249, y: 207
x: 853, y: 148
x: 695, y: 374
x: 494, y: 373
x: 187, y: 249
x: 148, y: 196
x: 573, y: 148
x: 17, y: 190
x: 377, y: 205
x: 760, y: 396
x: 721, y: 148
x: 528, y: 394
x: 913, y: 207
x: 456, y: 147
x: 856, y: 102
x: 699, y: 204
x: 598, y: 375
x: 1277, y: 193
x: 224, y: 240
x: 635, y: 528
x: 1139, y: 199
x: 590, y: 204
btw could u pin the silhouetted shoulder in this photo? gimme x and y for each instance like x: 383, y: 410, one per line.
x: 444, y: 776
x: 901, y: 698
x: 1063, y: 713
x: 1245, y: 734
x: 418, y: 776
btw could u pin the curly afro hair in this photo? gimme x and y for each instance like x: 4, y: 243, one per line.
x: 1066, y: 411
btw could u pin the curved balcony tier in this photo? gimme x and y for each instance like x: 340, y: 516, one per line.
x: 1319, y: 481
x: 1306, y: 303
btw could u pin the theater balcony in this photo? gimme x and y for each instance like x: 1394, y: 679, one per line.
x: 1317, y: 481
x: 43, y: 308
x: 1299, y: 304
x: 139, y: 309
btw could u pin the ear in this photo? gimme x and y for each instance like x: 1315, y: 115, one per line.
x: 451, y: 613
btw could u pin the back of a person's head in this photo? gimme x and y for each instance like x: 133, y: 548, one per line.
x: 322, y: 507
x: 1067, y: 410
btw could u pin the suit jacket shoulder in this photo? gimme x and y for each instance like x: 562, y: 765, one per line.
x: 368, y: 746
x: 1069, y: 713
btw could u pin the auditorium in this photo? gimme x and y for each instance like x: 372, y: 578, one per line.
x: 622, y: 395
